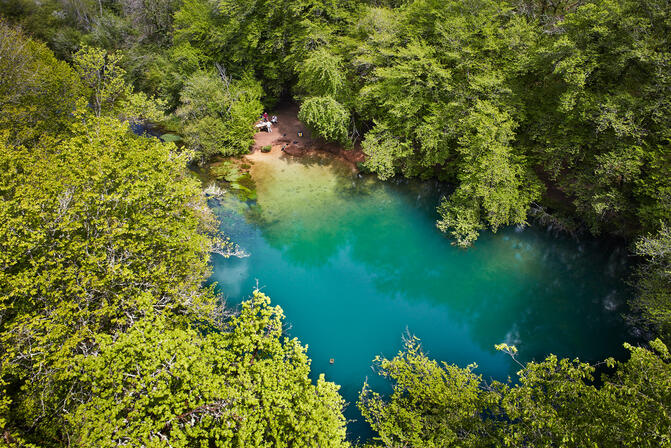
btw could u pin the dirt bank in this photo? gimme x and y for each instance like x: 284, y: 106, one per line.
x: 284, y: 139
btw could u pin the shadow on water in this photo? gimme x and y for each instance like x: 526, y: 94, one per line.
x: 355, y: 263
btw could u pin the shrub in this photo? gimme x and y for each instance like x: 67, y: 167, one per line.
x: 326, y: 116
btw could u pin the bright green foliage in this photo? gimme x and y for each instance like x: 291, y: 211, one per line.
x: 584, y: 83
x: 98, y: 230
x: 108, y: 92
x: 167, y: 72
x: 326, y: 116
x: 103, y: 237
x: 494, y: 187
x: 639, y: 394
x: 555, y: 403
x: 219, y: 113
x: 552, y: 405
x: 322, y: 85
x: 101, y: 73
x: 321, y: 74
x: 383, y: 151
x: 432, y: 405
x: 581, y: 83
x: 107, y: 335
x: 653, y: 300
x: 37, y: 92
x: 244, y: 386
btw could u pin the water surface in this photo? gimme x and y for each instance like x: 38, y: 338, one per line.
x: 355, y: 263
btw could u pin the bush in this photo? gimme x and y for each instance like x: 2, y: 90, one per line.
x: 326, y: 116
x: 219, y: 119
x: 266, y: 148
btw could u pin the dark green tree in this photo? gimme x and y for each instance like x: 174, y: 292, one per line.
x: 598, y: 115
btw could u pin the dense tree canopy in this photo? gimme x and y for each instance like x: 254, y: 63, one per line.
x: 98, y: 231
x: 576, y: 92
x: 37, y: 92
x: 555, y: 403
x: 218, y: 113
x: 598, y: 111
x: 245, y: 385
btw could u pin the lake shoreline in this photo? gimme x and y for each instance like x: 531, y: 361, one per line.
x: 324, y: 244
x: 291, y: 137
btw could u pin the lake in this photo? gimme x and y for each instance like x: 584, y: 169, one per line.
x: 356, y: 263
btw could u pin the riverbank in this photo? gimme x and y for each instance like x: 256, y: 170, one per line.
x: 290, y: 136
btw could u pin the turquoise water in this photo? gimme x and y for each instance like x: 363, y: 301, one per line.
x: 356, y: 263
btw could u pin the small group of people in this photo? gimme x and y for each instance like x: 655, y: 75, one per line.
x: 272, y: 119
x: 267, y: 122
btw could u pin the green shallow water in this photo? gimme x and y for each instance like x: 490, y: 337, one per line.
x: 356, y: 263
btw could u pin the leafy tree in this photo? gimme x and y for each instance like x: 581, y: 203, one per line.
x: 167, y: 72
x: 321, y: 74
x: 219, y: 113
x: 323, y: 87
x: 547, y: 12
x: 384, y: 150
x: 244, y: 386
x: 447, y: 108
x: 555, y: 403
x: 268, y: 38
x: 104, y: 238
x: 597, y: 117
x: 37, y: 93
x: 109, y: 93
x: 326, y: 116
x: 107, y: 335
x: 653, y: 299
x: 153, y: 18
x: 495, y: 186
x: 98, y: 230
x: 432, y: 404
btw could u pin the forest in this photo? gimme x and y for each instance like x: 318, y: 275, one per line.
x: 551, y: 112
